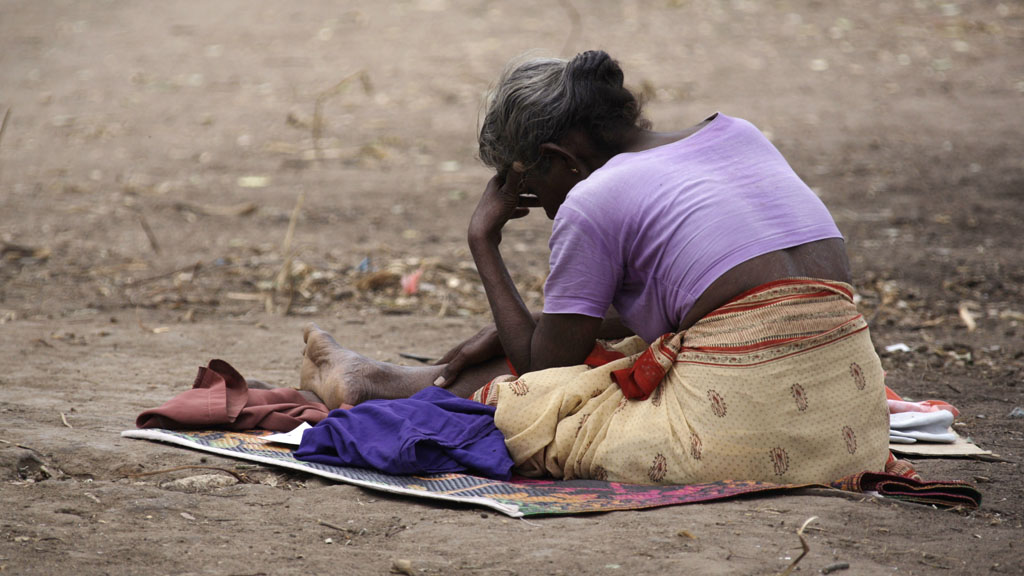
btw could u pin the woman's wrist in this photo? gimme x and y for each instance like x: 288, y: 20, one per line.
x: 480, y: 237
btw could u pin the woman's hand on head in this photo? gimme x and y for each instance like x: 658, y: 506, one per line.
x: 503, y: 200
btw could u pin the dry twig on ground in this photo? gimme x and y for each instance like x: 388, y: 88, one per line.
x: 238, y: 476
x: 803, y: 544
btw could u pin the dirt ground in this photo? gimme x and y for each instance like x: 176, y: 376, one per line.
x: 181, y: 181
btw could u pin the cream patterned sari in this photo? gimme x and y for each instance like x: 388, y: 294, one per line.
x: 782, y: 384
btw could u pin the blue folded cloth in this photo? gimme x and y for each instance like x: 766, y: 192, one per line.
x: 433, y: 431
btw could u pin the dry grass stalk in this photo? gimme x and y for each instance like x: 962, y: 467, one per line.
x: 443, y: 311
x: 967, y: 316
x: 245, y: 296
x: 3, y: 124
x: 284, y: 276
x: 133, y: 283
x: 243, y: 209
x: 323, y: 97
x: 334, y: 526
x: 138, y: 320
x: 575, y: 27
x: 149, y: 233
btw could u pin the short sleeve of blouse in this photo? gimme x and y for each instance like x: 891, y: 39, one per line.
x: 586, y: 270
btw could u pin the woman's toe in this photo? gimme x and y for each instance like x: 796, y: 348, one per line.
x: 308, y: 329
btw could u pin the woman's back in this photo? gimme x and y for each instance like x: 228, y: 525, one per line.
x: 651, y: 231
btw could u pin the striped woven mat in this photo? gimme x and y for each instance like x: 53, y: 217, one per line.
x: 528, y: 497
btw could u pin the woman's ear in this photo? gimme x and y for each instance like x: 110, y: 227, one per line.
x: 559, y: 153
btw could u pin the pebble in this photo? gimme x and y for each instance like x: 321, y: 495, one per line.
x: 253, y: 181
x: 901, y: 347
x: 199, y: 483
x: 950, y: 10
x: 402, y: 567
x: 835, y: 567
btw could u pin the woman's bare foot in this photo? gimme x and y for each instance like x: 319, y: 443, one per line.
x: 340, y: 376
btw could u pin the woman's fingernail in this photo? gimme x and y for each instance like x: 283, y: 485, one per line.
x: 439, y: 381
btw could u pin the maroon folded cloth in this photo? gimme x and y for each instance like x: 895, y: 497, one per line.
x: 220, y: 398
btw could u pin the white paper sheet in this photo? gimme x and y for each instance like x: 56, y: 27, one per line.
x: 293, y: 438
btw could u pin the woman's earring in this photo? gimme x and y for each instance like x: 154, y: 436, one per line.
x: 574, y: 170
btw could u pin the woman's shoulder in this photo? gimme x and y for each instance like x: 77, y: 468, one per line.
x: 606, y: 188
x: 602, y: 204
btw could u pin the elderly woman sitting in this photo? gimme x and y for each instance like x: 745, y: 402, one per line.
x: 744, y: 356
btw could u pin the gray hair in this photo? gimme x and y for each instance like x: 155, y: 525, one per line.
x: 541, y: 99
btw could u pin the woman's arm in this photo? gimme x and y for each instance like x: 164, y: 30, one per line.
x: 555, y: 339
x: 512, y: 318
x: 612, y: 328
x: 485, y: 345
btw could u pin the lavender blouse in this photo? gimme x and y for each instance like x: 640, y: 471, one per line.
x: 650, y: 231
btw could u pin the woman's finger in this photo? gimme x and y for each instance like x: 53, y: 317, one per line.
x: 450, y: 355
x: 513, y: 181
x: 449, y: 373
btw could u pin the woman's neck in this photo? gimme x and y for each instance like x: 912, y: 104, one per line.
x: 647, y: 139
x: 635, y: 140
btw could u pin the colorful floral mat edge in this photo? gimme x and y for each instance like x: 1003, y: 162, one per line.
x: 521, y: 497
